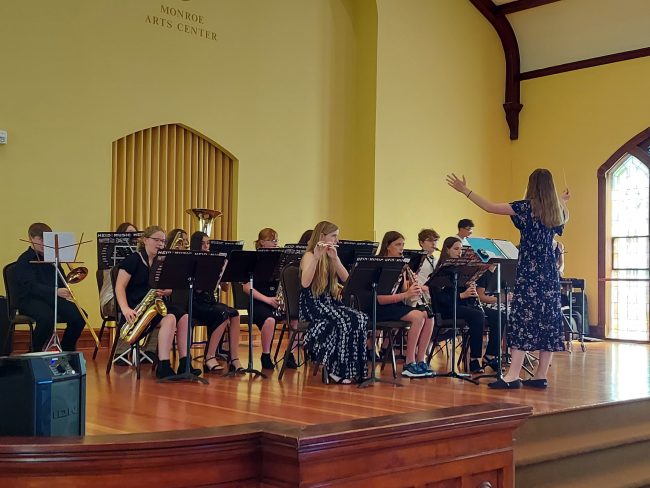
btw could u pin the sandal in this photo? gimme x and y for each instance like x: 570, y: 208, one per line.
x: 232, y: 370
x: 211, y: 369
x: 338, y: 380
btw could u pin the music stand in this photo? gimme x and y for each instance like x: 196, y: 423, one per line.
x: 452, y: 272
x: 349, y: 251
x: 174, y: 269
x: 226, y: 247
x: 248, y: 266
x: 372, y: 276
x: 505, y: 256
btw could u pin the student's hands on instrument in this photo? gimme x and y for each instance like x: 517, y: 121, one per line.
x: 325, y: 248
x: 163, y: 293
x: 129, y: 314
x: 272, y: 302
x: 457, y: 184
x: 413, y: 291
x: 470, y: 292
x: 64, y: 293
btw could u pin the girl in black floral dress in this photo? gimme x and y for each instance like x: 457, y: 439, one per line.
x: 336, y: 335
x: 536, y: 318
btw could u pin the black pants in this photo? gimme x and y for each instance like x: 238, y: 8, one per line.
x: 43, y: 313
x: 492, y: 316
x: 474, y: 319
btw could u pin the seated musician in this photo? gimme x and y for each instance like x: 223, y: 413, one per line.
x: 336, y: 335
x: 467, y: 306
x: 132, y: 285
x: 465, y: 230
x: 35, y: 294
x: 217, y: 316
x: 393, y: 307
x: 490, y: 304
x: 304, y: 238
x: 428, y: 240
x: 177, y: 239
x: 266, y: 302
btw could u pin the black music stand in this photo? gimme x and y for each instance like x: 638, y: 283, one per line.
x: 454, y: 271
x: 177, y: 270
x: 372, y: 276
x: 504, y: 278
x: 248, y: 266
x: 220, y: 246
x: 349, y: 251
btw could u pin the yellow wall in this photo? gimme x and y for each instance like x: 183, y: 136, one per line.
x: 573, y: 122
x: 277, y: 90
x: 439, y: 96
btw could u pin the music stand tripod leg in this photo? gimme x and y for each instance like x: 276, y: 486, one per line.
x: 453, y: 373
x: 372, y: 379
x: 250, y: 368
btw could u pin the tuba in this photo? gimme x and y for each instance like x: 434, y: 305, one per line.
x: 205, y: 217
x: 150, y: 306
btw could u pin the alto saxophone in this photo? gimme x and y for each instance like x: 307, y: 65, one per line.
x: 150, y: 306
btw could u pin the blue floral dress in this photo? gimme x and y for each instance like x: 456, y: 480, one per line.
x: 536, y: 317
x: 336, y: 336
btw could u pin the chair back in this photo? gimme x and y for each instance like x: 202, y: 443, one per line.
x: 291, y: 289
x: 240, y: 299
x: 9, y: 276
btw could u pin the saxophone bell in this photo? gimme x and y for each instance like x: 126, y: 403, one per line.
x: 150, y: 306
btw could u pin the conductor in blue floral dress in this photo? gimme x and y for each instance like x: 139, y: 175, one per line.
x: 536, y: 318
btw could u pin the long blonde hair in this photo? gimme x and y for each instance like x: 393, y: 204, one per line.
x: 325, y: 277
x: 544, y: 200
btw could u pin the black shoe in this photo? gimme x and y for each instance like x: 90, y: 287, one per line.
x: 232, y: 370
x: 164, y: 370
x: 291, y: 361
x: 501, y: 384
x: 539, y: 384
x: 475, y: 367
x: 492, y: 363
x: 182, y: 364
x: 267, y: 362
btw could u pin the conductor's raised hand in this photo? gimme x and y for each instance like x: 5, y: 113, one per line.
x: 456, y: 183
x: 566, y: 195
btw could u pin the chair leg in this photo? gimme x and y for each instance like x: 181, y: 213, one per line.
x: 393, y: 362
x: 277, y: 346
x: 292, y: 336
x: 99, y: 338
x: 113, y: 348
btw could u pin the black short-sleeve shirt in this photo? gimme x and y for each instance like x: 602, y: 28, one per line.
x: 137, y: 265
x: 484, y: 280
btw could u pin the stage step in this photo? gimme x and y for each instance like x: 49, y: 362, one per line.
x: 602, y: 445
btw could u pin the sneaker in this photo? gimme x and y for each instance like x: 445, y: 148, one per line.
x: 267, y: 362
x: 412, y: 370
x: 291, y: 362
x: 425, y: 368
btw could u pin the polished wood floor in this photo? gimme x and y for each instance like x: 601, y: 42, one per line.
x: 120, y: 404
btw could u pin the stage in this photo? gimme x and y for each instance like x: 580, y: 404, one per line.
x: 607, y: 372
x: 591, y: 427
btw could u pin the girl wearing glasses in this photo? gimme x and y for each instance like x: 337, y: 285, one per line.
x: 132, y: 285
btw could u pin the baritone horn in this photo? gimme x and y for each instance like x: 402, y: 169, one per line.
x: 205, y: 217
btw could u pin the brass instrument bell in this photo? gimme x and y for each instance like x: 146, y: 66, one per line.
x: 205, y: 218
x: 75, y: 275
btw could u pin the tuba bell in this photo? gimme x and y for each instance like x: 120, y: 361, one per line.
x: 205, y: 217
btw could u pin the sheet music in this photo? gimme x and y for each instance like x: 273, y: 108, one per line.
x: 67, y: 247
x: 114, y: 247
x: 508, y: 249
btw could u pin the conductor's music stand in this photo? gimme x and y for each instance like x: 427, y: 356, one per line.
x: 456, y: 272
x: 372, y: 276
x: 174, y: 269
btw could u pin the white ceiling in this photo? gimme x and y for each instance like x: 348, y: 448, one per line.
x: 574, y: 30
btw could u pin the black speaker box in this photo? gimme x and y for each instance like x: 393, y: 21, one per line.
x: 43, y: 394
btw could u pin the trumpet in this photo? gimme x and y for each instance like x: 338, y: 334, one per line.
x: 423, y: 300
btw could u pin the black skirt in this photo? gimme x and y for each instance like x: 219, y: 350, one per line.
x: 392, y: 312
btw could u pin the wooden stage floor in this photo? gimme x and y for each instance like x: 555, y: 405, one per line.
x: 120, y: 404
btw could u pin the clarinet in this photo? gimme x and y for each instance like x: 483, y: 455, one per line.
x: 423, y: 300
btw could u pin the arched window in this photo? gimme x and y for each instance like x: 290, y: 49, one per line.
x: 624, y: 242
